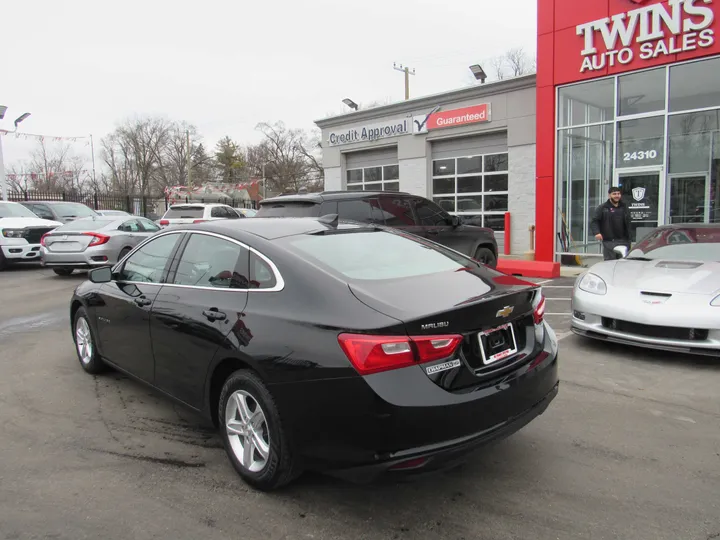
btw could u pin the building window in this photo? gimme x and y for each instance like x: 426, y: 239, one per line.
x: 586, y: 103
x: 642, y: 92
x: 474, y: 187
x: 378, y: 178
x: 695, y: 85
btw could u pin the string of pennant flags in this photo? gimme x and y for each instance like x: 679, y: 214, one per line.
x: 43, y: 138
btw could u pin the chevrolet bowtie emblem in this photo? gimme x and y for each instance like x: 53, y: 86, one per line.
x: 504, y: 312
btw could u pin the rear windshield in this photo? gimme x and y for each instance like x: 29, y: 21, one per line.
x: 74, y: 210
x: 180, y: 212
x: 377, y: 255
x: 287, y: 209
x: 85, y: 225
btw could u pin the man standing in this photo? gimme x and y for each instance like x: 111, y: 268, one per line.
x: 611, y: 223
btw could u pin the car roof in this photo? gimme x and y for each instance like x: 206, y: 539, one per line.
x: 318, y: 198
x: 268, y: 228
x: 56, y: 202
x: 196, y: 204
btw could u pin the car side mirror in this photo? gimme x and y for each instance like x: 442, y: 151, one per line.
x: 101, y: 275
x: 621, y: 250
x: 454, y: 221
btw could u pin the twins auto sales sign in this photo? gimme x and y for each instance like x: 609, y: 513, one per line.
x: 646, y: 32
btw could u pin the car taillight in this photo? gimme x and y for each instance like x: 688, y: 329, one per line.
x: 164, y: 222
x: 199, y: 220
x: 42, y: 239
x: 98, y: 239
x: 539, y: 307
x: 373, y: 354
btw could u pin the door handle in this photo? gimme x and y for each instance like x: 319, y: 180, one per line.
x: 433, y: 232
x: 214, y: 315
x: 142, y: 301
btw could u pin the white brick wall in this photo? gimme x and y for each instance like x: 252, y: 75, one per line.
x: 521, y: 200
x: 333, y: 179
x: 414, y: 176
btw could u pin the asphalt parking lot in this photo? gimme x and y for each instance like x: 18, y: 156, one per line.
x: 630, y: 449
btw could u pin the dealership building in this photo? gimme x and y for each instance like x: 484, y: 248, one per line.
x: 627, y: 93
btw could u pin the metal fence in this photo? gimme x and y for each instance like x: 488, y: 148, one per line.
x: 149, y: 206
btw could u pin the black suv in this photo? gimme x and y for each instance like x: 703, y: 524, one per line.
x: 412, y: 214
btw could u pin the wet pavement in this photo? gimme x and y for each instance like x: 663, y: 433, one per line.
x: 630, y: 449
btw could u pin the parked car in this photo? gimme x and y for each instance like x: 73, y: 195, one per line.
x: 61, y: 211
x: 411, y: 356
x: 92, y: 242
x: 113, y: 213
x: 409, y: 213
x: 186, y: 213
x: 20, y: 233
x: 665, y: 294
x: 246, y: 212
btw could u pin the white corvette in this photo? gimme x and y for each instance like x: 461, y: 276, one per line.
x: 665, y: 294
x: 20, y: 233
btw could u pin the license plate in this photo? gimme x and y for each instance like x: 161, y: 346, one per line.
x: 65, y: 246
x: 497, y: 343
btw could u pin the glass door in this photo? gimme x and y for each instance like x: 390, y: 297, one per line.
x: 689, y: 198
x: 641, y: 193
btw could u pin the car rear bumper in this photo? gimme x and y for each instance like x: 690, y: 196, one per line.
x: 444, y: 455
x: 90, y: 258
x: 27, y: 252
x: 363, y: 426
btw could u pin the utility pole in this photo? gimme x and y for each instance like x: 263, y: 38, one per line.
x: 189, y: 172
x: 407, y: 72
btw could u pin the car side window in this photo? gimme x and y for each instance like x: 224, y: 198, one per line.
x: 42, y: 211
x: 397, y: 211
x: 230, y: 212
x: 148, y: 226
x: 362, y: 210
x: 217, y: 212
x: 147, y: 265
x: 429, y: 214
x: 261, y: 275
x: 209, y: 261
x: 132, y: 225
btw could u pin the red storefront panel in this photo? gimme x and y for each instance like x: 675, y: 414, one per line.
x: 595, y: 38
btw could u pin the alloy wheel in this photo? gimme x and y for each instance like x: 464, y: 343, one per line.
x: 247, y: 431
x: 83, y: 341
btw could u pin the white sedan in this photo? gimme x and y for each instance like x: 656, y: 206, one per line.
x: 665, y: 294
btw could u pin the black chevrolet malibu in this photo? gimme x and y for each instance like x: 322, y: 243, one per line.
x: 316, y: 344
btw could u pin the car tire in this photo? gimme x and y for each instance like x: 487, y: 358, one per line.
x: 258, y: 432
x: 85, y: 344
x: 63, y: 271
x: 123, y: 252
x: 3, y: 261
x: 486, y: 256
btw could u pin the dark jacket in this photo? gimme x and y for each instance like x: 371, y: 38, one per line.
x: 613, y: 222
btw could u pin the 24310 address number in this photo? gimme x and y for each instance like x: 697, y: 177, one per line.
x: 641, y: 155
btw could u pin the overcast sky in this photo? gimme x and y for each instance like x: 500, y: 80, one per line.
x: 82, y: 66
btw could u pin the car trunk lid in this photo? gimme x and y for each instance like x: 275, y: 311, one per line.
x: 67, y: 242
x: 494, y: 317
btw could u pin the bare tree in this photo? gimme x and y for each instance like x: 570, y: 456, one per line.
x: 290, y: 158
x: 518, y: 62
x: 134, y: 154
x: 498, y: 67
x: 48, y: 163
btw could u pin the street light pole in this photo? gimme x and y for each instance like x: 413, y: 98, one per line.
x: 3, y: 184
x: 2, y: 172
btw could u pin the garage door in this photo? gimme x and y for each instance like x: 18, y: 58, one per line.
x: 470, y: 178
x: 372, y: 170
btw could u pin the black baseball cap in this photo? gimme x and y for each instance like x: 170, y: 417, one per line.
x: 613, y: 189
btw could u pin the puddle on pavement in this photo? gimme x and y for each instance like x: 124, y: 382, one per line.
x: 31, y: 324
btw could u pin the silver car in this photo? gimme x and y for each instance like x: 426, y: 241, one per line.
x: 92, y: 242
x: 664, y: 294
